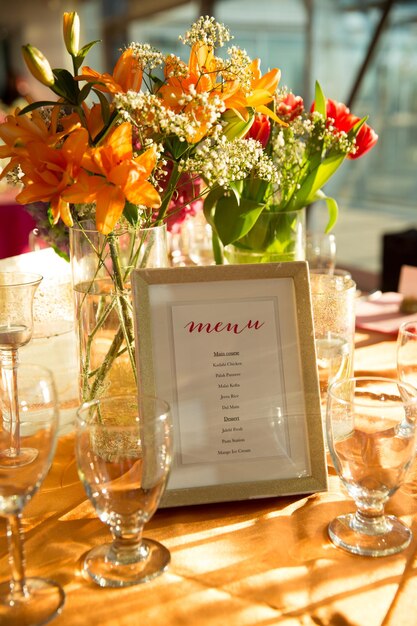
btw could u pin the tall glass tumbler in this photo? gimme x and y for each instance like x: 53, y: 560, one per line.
x: 333, y: 302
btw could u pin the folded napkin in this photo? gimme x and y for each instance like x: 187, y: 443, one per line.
x: 381, y: 313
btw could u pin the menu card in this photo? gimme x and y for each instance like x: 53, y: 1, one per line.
x: 231, y: 349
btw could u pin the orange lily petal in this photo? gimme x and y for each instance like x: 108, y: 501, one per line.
x: 110, y: 203
x: 128, y: 71
x: 143, y: 193
x: 76, y: 145
x: 60, y: 209
x: 147, y: 160
x: 121, y: 141
x: 269, y: 113
x: 269, y: 81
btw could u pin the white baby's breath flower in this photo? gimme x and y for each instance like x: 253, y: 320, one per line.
x: 149, y: 57
x: 208, y: 31
x: 223, y: 162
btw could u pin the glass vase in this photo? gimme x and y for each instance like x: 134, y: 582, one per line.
x: 101, y: 267
x: 276, y: 237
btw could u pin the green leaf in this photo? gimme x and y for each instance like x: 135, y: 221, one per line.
x: 156, y: 81
x: 66, y: 85
x: 84, y: 92
x: 316, y: 180
x: 37, y: 105
x: 231, y: 219
x: 105, y: 108
x: 320, y: 100
x: 237, y: 188
x: 210, y: 202
x: 217, y: 249
x: 177, y: 148
x: 131, y: 213
x: 60, y: 252
x: 234, y: 127
x: 356, y: 128
x: 85, y: 50
x: 332, y: 208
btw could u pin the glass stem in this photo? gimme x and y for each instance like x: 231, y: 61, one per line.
x: 9, y: 363
x: 127, y: 548
x: 18, y: 586
x: 370, y: 520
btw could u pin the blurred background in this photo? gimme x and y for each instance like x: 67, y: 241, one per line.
x: 363, y: 53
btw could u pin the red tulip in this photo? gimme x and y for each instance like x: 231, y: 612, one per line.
x: 290, y: 107
x: 260, y: 129
x: 344, y: 120
x: 365, y: 140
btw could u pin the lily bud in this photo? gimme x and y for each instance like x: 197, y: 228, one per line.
x: 71, y: 28
x: 38, y: 65
x: 234, y: 127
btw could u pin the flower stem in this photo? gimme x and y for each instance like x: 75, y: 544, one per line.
x: 173, y: 181
x: 125, y: 314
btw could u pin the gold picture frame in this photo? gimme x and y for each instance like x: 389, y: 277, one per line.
x: 231, y: 348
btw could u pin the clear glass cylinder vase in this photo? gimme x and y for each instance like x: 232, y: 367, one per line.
x: 101, y: 268
x: 276, y: 237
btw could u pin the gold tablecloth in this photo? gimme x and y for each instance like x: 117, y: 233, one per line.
x: 261, y: 562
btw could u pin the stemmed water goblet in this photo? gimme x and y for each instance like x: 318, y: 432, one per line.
x: 371, y: 434
x: 27, y: 601
x: 407, y: 352
x: 17, y: 290
x: 123, y: 449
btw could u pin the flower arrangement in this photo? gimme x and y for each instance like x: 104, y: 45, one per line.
x: 137, y: 146
x: 306, y: 147
x: 141, y: 146
x: 164, y: 133
x: 129, y: 150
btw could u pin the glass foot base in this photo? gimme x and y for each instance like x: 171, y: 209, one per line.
x: 100, y: 565
x: 43, y: 602
x: 343, y: 533
x: 9, y: 458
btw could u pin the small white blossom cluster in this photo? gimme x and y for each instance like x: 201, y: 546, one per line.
x: 207, y: 31
x: 236, y: 67
x: 147, y: 111
x: 14, y: 176
x: 149, y: 57
x: 85, y: 211
x: 294, y: 146
x: 226, y: 162
x: 339, y: 138
x: 177, y: 67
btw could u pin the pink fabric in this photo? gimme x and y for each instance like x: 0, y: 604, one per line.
x: 381, y: 313
x: 15, y: 227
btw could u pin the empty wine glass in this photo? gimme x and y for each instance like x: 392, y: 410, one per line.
x: 124, y: 452
x: 321, y: 250
x: 407, y: 353
x: 27, y: 601
x: 371, y: 432
x: 17, y: 290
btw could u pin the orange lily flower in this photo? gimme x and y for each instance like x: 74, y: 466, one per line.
x: 198, y: 77
x: 19, y: 131
x: 201, y: 76
x: 261, y: 93
x: 117, y: 177
x: 127, y: 75
x: 93, y: 117
x: 49, y: 171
